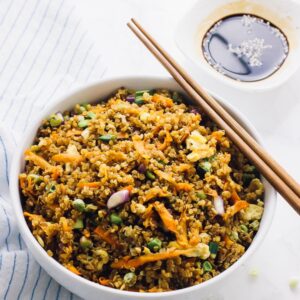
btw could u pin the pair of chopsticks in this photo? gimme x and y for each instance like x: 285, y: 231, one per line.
x: 268, y: 167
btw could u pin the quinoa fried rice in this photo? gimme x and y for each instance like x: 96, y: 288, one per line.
x: 140, y: 192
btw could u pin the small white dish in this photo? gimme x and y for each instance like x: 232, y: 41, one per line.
x: 194, y: 25
x: 208, y: 290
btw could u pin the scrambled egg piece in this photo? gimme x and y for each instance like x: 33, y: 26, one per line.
x: 252, y: 212
x: 197, y: 143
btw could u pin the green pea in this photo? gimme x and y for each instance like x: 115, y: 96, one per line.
x: 201, y: 195
x: 244, y: 228
x: 107, y: 137
x: 91, y: 115
x: 79, y: 205
x: 115, y: 219
x: 83, y: 123
x: 150, y: 175
x: 130, y: 279
x: 154, y: 244
x: 85, y: 243
x: 213, y: 248
x: 78, y: 224
x: 207, y: 267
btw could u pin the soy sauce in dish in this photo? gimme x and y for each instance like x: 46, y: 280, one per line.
x: 245, y: 47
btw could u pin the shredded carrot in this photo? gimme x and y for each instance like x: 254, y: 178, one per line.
x: 67, y: 158
x: 95, y: 184
x: 65, y: 225
x: 183, y: 186
x: 155, y: 192
x: 129, y: 188
x: 183, y: 167
x: 228, y: 241
x: 33, y: 216
x: 156, y: 289
x: 140, y: 147
x: 165, y: 176
x: 184, y: 137
x: 232, y: 210
x: 218, y: 135
x: 235, y: 197
x: 107, y: 237
x: 104, y: 281
x: 169, y: 222
x: 167, y: 141
x: 163, y: 100
x: 41, y: 162
x: 127, y: 263
x: 22, y: 182
x: 181, y: 234
x: 73, y: 269
x: 148, y: 217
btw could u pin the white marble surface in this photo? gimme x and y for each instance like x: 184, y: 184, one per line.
x: 276, y: 115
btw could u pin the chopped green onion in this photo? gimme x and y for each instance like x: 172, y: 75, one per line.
x: 247, y: 178
x: 234, y: 236
x: 107, y: 137
x: 51, y: 188
x: 201, y: 195
x: 293, y: 283
x: 85, y: 243
x: 115, y: 219
x: 177, y: 97
x: 36, y: 178
x: 213, y: 248
x: 91, y: 115
x: 207, y: 266
x: 254, y: 225
x: 79, y: 205
x: 83, y: 123
x: 154, y: 244
x: 203, y: 167
x: 139, y: 100
x: 244, y: 228
x: 150, y: 175
x: 141, y: 92
x: 78, y: 224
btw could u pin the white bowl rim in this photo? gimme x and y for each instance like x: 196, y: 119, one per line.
x: 29, y: 238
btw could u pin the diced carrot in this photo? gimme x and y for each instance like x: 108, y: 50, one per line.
x: 218, y: 135
x: 107, y: 237
x: 67, y: 158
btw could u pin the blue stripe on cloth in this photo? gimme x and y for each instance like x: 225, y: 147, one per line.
x: 41, y: 48
x: 19, y: 37
x: 19, y: 239
x: 13, y: 25
x: 25, y: 277
x: 7, y: 11
x: 71, y: 296
x: 35, y: 58
x: 61, y: 59
x: 46, y: 65
x: 8, y: 227
x: 75, y: 51
x: 47, y: 288
x: 0, y: 262
x: 58, y: 293
x: 93, y: 68
x: 11, y: 277
x: 36, y: 282
x: 83, y: 61
x: 25, y: 53
x: 5, y: 159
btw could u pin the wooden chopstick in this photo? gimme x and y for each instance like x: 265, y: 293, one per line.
x: 285, y: 185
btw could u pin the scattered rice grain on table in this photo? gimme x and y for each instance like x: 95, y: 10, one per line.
x: 140, y: 192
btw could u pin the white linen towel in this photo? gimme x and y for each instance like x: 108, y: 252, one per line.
x: 44, y: 51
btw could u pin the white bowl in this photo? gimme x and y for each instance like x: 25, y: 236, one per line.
x: 200, y: 18
x: 84, y: 287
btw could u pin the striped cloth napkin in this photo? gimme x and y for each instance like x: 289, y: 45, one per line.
x: 44, y: 51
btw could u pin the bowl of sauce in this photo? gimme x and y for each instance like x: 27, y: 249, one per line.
x: 249, y: 45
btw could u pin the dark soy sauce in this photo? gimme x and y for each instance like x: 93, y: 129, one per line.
x: 245, y: 47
